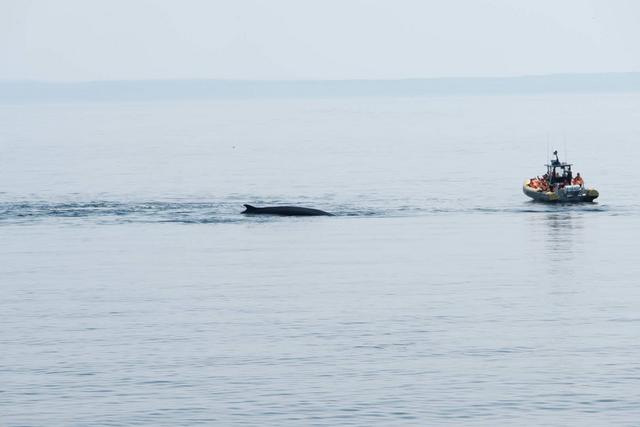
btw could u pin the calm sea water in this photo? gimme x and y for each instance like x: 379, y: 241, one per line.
x: 135, y: 293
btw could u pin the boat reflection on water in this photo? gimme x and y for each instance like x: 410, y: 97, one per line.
x: 564, y: 237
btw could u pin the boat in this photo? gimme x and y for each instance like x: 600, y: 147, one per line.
x: 559, y: 185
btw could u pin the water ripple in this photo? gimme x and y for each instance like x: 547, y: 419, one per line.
x: 228, y: 210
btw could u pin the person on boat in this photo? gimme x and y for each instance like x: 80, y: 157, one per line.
x: 569, y: 177
x: 578, y: 180
x: 534, y: 183
x: 544, y: 185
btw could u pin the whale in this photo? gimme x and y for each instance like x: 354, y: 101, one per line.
x: 284, y: 211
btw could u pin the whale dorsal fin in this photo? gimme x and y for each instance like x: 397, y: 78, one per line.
x: 250, y: 208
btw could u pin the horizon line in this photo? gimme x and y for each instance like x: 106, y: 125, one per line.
x: 311, y: 80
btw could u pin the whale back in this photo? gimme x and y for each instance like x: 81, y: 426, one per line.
x: 284, y: 211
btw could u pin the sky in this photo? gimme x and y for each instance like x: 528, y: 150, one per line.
x: 85, y: 40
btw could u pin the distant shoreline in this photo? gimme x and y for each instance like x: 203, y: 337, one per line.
x: 162, y: 90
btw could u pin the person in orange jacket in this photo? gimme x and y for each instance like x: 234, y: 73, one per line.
x: 534, y: 183
x: 578, y: 180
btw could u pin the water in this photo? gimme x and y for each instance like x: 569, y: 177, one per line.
x: 135, y: 293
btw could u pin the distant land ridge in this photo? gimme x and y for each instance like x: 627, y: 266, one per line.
x: 156, y: 90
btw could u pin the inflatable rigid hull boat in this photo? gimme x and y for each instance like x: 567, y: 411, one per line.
x: 559, y: 185
x: 566, y: 194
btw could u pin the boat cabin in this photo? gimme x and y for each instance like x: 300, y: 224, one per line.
x: 559, y: 172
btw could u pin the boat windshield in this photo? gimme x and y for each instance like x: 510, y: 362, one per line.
x: 559, y: 172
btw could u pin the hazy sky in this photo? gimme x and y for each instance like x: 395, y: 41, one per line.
x: 324, y: 39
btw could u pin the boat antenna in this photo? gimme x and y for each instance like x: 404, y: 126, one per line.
x: 547, y: 155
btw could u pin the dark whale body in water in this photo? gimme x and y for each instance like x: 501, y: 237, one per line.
x: 284, y: 211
